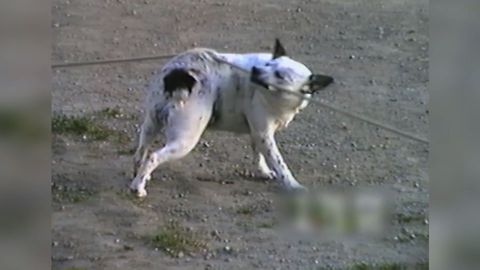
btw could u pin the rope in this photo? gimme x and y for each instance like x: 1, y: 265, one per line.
x: 276, y: 87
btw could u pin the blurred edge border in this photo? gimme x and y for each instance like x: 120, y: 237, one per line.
x: 25, y: 50
x: 25, y: 139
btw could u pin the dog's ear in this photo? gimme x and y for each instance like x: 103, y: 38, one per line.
x: 317, y: 82
x: 278, y: 49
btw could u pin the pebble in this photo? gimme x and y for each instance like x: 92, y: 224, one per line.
x: 351, y: 57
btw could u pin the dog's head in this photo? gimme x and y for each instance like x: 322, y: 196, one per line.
x: 292, y: 75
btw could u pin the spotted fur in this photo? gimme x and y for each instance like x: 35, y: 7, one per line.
x: 193, y: 92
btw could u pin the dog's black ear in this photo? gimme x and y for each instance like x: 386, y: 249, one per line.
x: 318, y: 82
x: 278, y: 49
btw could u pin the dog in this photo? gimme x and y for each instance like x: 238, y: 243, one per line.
x: 194, y: 92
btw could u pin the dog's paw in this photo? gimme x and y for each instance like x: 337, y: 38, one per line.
x: 265, y: 174
x: 141, y: 193
x: 296, y: 187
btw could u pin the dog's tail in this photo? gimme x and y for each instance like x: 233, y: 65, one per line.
x: 179, y: 82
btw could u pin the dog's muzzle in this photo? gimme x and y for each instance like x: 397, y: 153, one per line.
x: 255, y: 77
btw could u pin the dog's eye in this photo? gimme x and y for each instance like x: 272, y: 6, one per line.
x: 278, y: 75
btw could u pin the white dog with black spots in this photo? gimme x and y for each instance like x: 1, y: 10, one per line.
x: 194, y: 91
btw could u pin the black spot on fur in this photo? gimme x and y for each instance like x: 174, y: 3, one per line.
x: 178, y: 79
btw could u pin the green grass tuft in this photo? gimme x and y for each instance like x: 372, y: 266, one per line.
x: 67, y: 194
x: 85, y: 126
x: 388, y: 266
x: 174, y: 239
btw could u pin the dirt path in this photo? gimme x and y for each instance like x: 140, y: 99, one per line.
x: 376, y: 50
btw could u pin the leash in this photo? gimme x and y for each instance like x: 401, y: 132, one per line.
x: 333, y: 108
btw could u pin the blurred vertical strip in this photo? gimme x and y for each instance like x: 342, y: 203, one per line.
x: 25, y: 134
x: 455, y: 131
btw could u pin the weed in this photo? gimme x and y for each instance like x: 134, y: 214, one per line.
x: 73, y: 194
x: 175, y: 239
x: 85, y: 126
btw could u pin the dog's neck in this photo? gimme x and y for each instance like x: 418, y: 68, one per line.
x: 247, y: 61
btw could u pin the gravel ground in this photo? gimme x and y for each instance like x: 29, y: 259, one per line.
x: 376, y: 50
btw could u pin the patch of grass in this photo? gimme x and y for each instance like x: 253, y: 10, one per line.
x: 79, y: 125
x: 246, y: 210
x: 67, y: 194
x: 175, y: 239
x: 388, y: 266
x: 403, y: 218
x: 267, y: 224
x: 383, y: 266
x: 85, y: 126
x: 126, y: 152
x: 111, y: 112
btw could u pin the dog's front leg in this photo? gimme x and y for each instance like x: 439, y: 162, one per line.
x: 262, y: 169
x: 266, y: 145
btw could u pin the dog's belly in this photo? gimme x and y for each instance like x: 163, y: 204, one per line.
x: 230, y: 121
x: 228, y: 113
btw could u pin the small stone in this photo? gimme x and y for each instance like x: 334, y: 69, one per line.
x: 351, y: 57
x: 425, y: 222
x: 316, y: 262
x: 416, y: 185
x: 56, y: 25
x: 117, y: 240
x: 227, y: 249
x: 395, y: 238
x: 134, y: 12
x: 54, y: 243
x: 413, y: 236
x: 180, y: 255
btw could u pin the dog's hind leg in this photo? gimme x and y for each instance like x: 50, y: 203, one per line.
x: 183, y: 129
x: 148, y: 133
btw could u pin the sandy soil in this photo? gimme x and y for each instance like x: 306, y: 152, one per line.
x: 376, y: 50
